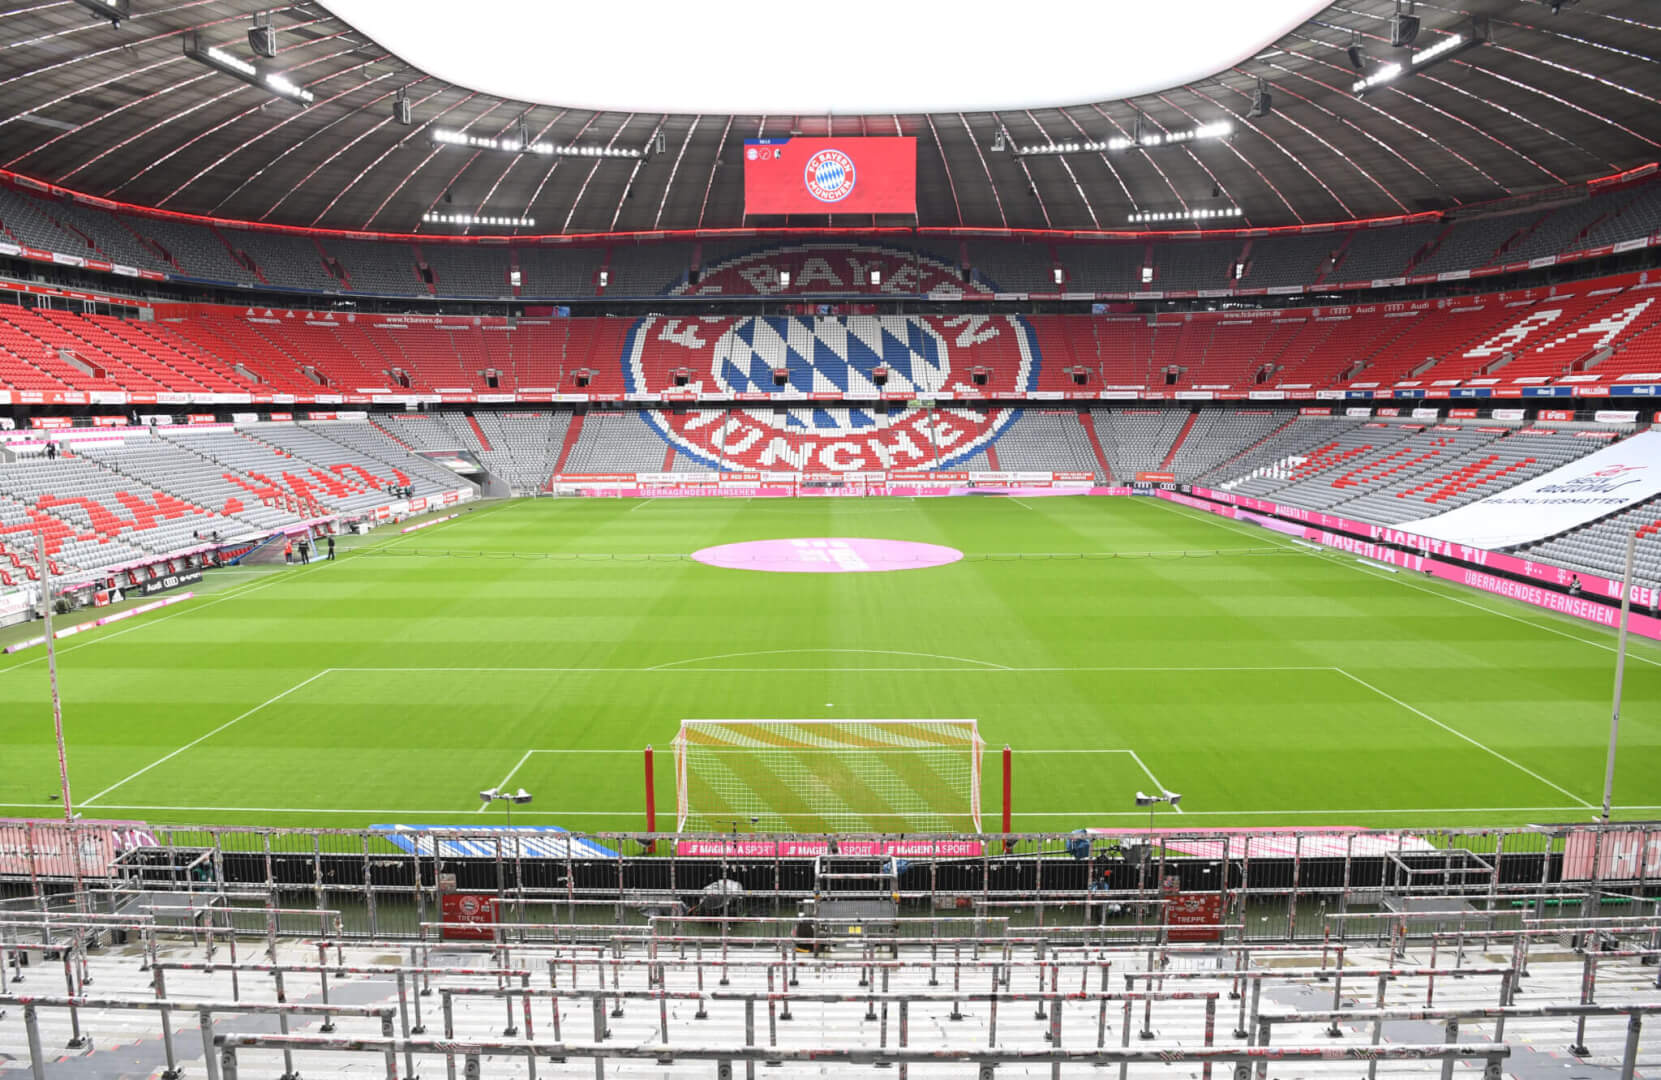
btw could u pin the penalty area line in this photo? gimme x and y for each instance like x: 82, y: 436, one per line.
x: 1451, y: 730
x: 520, y: 764
x: 202, y: 738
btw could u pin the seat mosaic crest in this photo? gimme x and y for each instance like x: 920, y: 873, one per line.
x: 826, y: 392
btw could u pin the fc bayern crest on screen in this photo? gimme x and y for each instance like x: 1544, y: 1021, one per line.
x: 775, y: 366
x: 829, y: 176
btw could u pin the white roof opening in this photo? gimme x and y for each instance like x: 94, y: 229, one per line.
x: 814, y: 59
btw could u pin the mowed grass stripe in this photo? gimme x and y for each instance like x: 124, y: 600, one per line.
x: 1104, y: 653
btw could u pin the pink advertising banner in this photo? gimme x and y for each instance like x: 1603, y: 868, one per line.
x: 762, y: 848
x: 1580, y: 607
x: 1643, y: 595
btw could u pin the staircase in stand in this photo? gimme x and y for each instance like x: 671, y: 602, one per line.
x: 478, y: 433
x: 992, y: 458
x: 1182, y: 435
x: 572, y: 434
x: 384, y: 431
x: 1096, y: 447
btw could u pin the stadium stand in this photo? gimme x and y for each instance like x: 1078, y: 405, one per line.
x: 149, y: 458
x: 1600, y: 546
x: 100, y: 504
x: 463, y: 271
x: 648, y: 269
x: 616, y: 442
x: 524, y: 446
x: 1047, y: 440
x: 1219, y: 435
x: 1137, y: 440
x: 1280, y: 260
x: 374, y: 267
x: 283, y: 260
x: 1014, y: 267
x: 1194, y: 264
x: 1372, y: 254
x: 1468, y: 242
x: 560, y: 272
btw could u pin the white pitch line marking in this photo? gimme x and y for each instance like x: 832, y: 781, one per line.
x: 1335, y: 557
x: 797, y: 652
x: 201, y: 738
x: 633, y: 811
x: 483, y: 806
x: 660, y: 669
x: 646, y: 502
x: 1136, y: 758
x: 1451, y: 730
x: 557, y: 750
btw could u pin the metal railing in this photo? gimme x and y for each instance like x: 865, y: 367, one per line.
x: 1273, y: 886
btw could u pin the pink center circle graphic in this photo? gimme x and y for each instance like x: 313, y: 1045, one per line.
x: 827, y: 555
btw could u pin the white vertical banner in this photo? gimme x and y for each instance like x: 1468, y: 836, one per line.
x: 1618, y: 476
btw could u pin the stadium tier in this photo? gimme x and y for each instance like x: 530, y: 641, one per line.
x: 1594, y: 333
x: 43, y: 225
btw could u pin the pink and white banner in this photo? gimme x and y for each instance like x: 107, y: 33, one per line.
x: 1579, y: 607
x: 763, y: 848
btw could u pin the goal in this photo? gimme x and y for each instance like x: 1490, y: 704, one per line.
x: 815, y: 776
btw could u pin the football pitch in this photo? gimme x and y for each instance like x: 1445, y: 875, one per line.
x: 1115, y: 644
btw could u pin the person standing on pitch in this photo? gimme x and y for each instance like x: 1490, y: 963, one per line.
x: 288, y: 551
x: 305, y: 550
x: 331, y: 549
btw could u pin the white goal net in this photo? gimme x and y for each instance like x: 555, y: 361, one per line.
x: 815, y: 776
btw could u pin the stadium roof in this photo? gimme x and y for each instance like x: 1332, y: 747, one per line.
x: 121, y: 112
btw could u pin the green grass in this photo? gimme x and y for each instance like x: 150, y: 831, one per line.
x: 1268, y: 684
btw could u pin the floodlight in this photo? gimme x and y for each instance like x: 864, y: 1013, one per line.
x: 784, y: 279
x: 113, y: 10
x: 490, y: 794
x: 1403, y: 28
x: 262, y: 39
x: 227, y: 63
x: 522, y: 797
x: 1473, y: 33
x: 522, y: 145
x: 1146, y: 800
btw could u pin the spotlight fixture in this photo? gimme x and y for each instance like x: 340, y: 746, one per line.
x: 1220, y: 129
x: 215, y: 57
x: 262, y: 40
x: 1404, y: 27
x: 113, y: 10
x: 511, y: 798
x: 434, y: 218
x: 400, y: 107
x: 1169, y: 798
x: 520, y: 145
x: 1472, y: 34
x: 1198, y: 213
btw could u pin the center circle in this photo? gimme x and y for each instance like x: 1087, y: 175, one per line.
x: 827, y: 555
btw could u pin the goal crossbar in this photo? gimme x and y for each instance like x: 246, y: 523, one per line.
x: 825, y: 775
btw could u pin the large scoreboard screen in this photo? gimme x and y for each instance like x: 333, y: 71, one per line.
x: 859, y: 175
